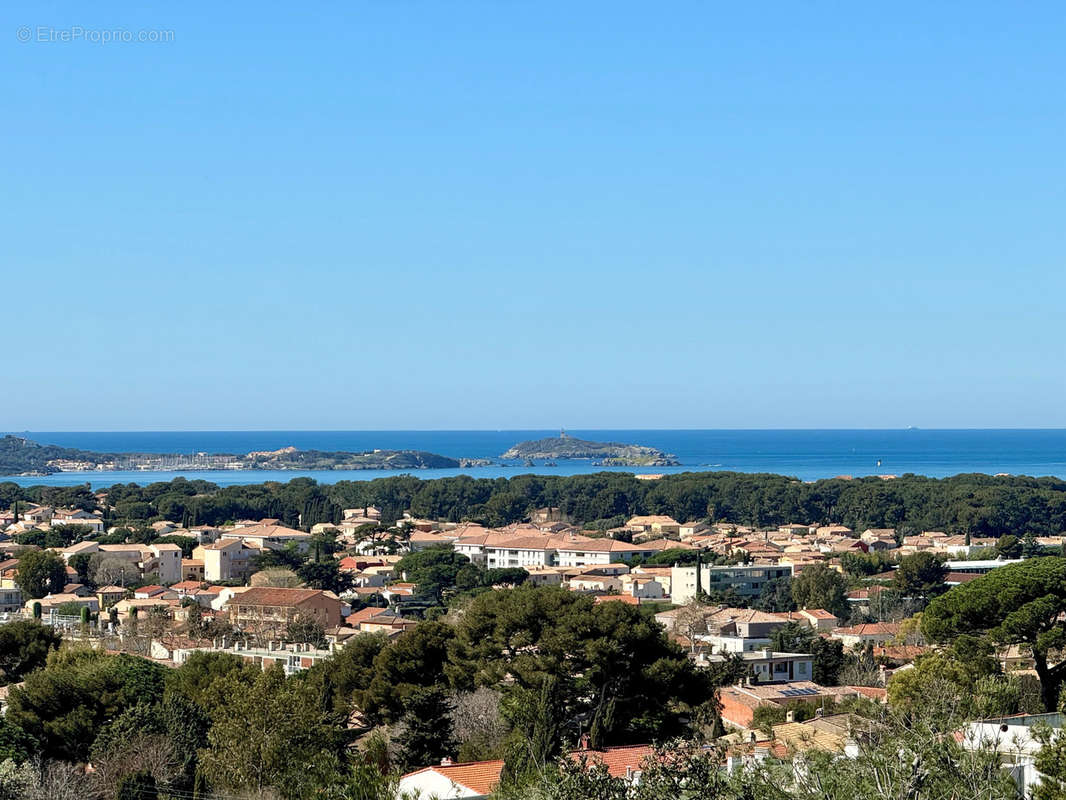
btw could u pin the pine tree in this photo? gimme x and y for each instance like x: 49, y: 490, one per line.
x: 426, y: 729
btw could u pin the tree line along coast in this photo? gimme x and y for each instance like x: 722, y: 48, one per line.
x: 981, y: 505
x: 913, y: 642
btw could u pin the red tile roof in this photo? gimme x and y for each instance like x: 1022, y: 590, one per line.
x: 477, y: 776
x: 363, y: 614
x: 272, y: 596
x: 870, y: 629
x: 873, y: 692
x: 818, y: 613
x: 618, y: 760
x: 482, y: 777
x: 186, y: 586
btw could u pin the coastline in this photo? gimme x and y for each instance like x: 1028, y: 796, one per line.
x: 804, y: 454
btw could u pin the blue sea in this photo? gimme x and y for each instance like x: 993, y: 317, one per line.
x: 805, y: 454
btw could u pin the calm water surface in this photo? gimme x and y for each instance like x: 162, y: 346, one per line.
x: 805, y: 454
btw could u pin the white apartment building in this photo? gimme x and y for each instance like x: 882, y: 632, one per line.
x: 766, y: 666
x: 269, y: 537
x: 745, y: 580
x: 162, y: 560
x: 592, y: 552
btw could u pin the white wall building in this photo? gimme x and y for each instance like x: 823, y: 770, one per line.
x: 1013, y: 739
x: 746, y: 580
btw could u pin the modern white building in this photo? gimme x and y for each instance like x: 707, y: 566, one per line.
x: 745, y: 580
x: 980, y: 567
x: 1014, y: 740
x: 767, y: 666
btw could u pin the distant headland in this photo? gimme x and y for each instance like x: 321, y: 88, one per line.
x: 608, y: 454
x: 19, y: 456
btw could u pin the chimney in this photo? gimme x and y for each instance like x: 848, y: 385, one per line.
x: 790, y: 716
x: 446, y: 761
x: 583, y: 742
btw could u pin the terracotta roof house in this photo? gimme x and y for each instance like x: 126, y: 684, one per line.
x: 420, y: 540
x: 267, y: 611
x: 226, y: 559
x: 599, y: 551
x: 192, y: 569
x: 162, y: 561
x: 473, y: 780
x: 739, y: 702
x: 879, y: 633
x: 387, y: 622
x: 355, y: 618
x: 657, y: 523
x: 818, y: 618
x: 663, y: 545
x: 268, y: 534
x: 477, y: 779
x: 56, y: 600
x: 109, y: 595
x: 8, y: 570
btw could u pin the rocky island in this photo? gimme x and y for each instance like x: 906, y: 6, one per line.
x: 609, y: 454
x: 19, y: 456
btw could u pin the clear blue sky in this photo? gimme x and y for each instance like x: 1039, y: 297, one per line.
x: 398, y: 214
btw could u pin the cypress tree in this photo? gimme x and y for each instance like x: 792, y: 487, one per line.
x: 699, y: 576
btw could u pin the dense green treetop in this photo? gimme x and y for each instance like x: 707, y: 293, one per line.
x: 625, y: 678
x: 41, y: 572
x: 982, y: 505
x: 1014, y: 604
x: 65, y: 705
x: 24, y: 647
x: 821, y: 586
x: 920, y: 575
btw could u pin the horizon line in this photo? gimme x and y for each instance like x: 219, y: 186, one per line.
x: 536, y: 430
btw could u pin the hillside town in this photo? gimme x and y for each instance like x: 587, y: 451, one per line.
x: 812, y: 622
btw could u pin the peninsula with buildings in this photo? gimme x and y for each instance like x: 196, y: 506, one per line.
x: 609, y: 454
x: 19, y: 456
